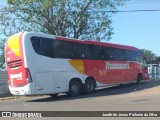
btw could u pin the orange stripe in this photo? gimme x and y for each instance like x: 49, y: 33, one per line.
x: 78, y: 65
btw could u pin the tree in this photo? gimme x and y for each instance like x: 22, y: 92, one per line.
x: 81, y: 19
x: 2, y: 60
x: 158, y: 60
x: 151, y: 56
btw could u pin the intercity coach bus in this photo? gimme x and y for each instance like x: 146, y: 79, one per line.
x: 39, y: 63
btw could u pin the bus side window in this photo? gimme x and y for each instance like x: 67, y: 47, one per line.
x: 102, y: 53
x: 140, y: 57
x: 113, y: 55
x: 127, y: 55
x: 67, y: 50
x: 131, y: 55
x: 85, y: 52
x: 79, y: 51
x: 47, y: 47
x: 93, y: 52
x: 37, y: 44
x: 63, y: 49
x: 134, y: 55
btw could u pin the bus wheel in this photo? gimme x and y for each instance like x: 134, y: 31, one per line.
x: 89, y: 86
x: 74, y: 88
x: 139, y: 78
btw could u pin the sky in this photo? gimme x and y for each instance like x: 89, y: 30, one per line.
x: 139, y: 29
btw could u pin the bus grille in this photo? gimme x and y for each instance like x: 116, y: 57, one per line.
x: 14, y: 64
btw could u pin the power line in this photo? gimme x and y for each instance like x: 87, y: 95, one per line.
x: 153, y: 10
x: 142, y: 1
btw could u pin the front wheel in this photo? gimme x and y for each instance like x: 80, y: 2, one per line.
x: 74, y: 88
x: 139, y: 79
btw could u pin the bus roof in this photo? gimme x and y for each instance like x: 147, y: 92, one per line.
x: 85, y: 41
x: 98, y: 43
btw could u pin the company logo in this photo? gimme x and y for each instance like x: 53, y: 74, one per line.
x: 6, y: 114
x: 115, y: 66
x: 16, y: 75
x: 21, y: 114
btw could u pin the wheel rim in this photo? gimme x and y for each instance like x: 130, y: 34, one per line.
x: 89, y: 86
x: 139, y: 79
x: 75, y: 89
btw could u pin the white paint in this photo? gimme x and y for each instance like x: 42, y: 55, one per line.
x: 19, y: 75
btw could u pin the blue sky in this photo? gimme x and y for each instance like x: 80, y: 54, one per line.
x: 139, y: 29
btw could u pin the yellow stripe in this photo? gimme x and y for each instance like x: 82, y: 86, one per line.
x: 78, y: 65
x: 14, y: 45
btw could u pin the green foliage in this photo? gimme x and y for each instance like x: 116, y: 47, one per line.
x: 157, y: 60
x: 148, y: 53
x: 81, y: 19
x: 151, y: 56
x: 2, y: 60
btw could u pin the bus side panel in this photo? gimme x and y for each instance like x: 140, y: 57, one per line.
x: 60, y: 81
x: 50, y: 82
x: 108, y: 72
x: 137, y: 68
x: 44, y: 82
x: 29, y: 61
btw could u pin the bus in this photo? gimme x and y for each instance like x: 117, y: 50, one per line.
x: 42, y: 64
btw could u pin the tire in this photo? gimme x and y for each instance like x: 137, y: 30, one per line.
x: 139, y: 79
x: 75, y: 88
x: 89, y: 86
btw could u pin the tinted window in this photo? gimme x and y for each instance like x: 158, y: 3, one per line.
x: 65, y: 49
x: 131, y: 55
x: 116, y: 54
x: 93, y: 51
x: 81, y: 51
x: 103, y: 53
x: 60, y: 49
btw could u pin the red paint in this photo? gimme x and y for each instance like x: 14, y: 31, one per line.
x: 16, y: 75
x: 99, y: 70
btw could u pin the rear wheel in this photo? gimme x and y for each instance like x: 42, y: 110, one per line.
x: 74, y: 88
x: 89, y: 86
x: 139, y: 78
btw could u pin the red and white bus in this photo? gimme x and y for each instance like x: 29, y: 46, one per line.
x: 39, y: 63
